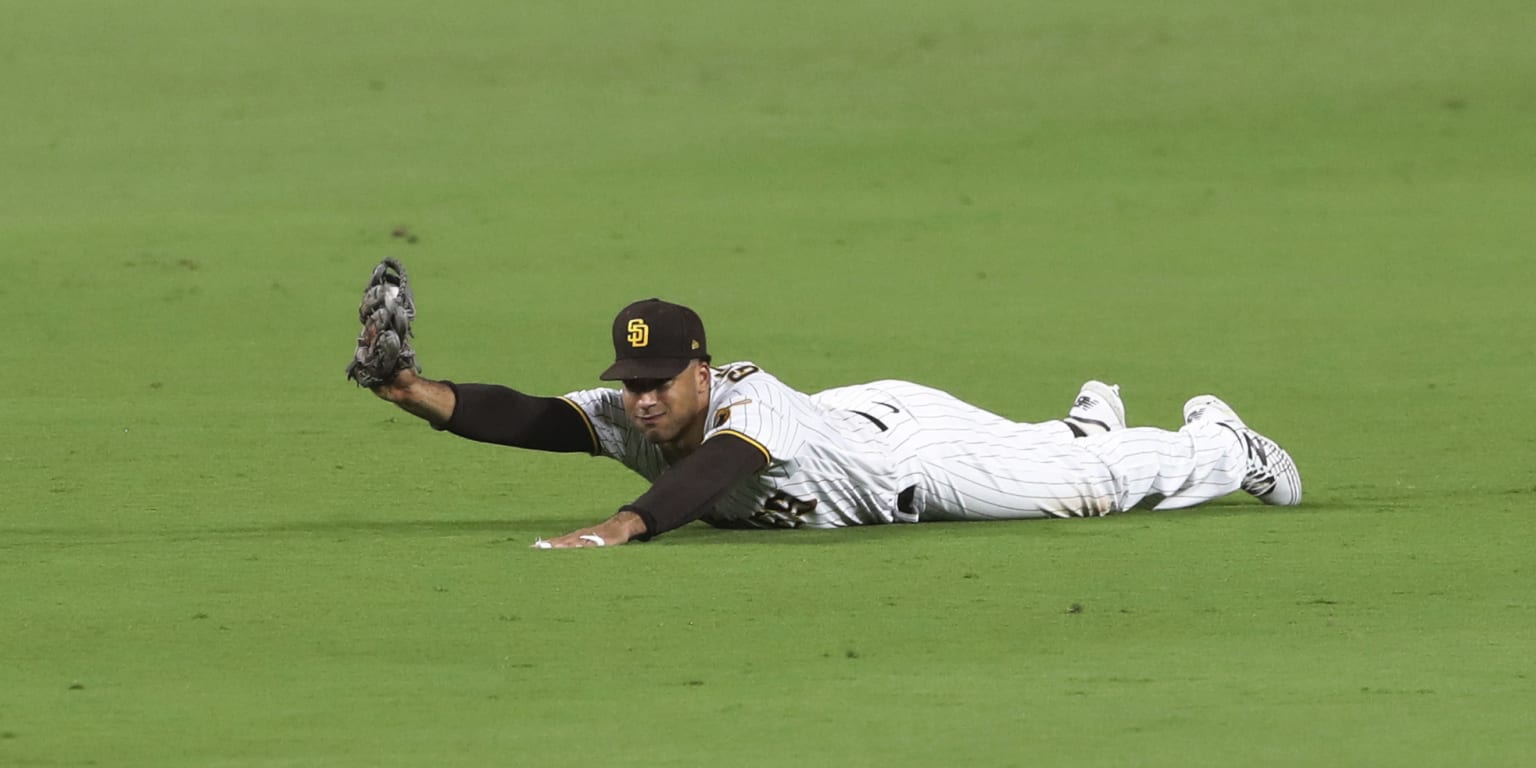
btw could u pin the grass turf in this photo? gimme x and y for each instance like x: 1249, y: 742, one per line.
x: 215, y: 552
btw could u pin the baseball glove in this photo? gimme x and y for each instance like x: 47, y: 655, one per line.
x: 386, y: 312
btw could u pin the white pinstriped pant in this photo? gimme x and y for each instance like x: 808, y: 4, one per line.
x: 971, y: 464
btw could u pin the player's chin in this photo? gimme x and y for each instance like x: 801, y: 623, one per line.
x: 657, y: 433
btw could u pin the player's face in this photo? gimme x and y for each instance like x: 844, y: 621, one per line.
x: 670, y: 411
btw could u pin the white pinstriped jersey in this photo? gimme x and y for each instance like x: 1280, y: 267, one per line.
x: 825, y: 468
x: 844, y: 456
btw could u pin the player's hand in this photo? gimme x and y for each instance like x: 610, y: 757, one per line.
x: 619, y: 529
x: 398, y: 388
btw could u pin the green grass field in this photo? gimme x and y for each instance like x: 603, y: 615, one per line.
x: 214, y: 551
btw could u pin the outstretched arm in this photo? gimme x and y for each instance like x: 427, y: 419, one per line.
x: 418, y: 396
x: 491, y: 413
x: 385, y: 363
x: 681, y: 495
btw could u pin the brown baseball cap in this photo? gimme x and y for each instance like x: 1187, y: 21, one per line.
x: 655, y: 339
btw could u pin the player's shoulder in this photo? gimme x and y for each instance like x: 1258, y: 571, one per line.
x: 741, y: 371
x: 746, y: 379
x: 600, y: 397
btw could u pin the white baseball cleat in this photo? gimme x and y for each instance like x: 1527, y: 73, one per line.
x: 1098, y: 404
x: 1272, y: 474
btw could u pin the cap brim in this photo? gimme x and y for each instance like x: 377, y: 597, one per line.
x: 649, y: 368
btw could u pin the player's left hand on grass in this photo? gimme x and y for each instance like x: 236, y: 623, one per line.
x: 619, y: 529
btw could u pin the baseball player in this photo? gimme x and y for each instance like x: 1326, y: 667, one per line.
x: 734, y: 446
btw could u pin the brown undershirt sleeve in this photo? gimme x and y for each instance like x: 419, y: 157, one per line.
x: 491, y: 413
x: 684, y: 492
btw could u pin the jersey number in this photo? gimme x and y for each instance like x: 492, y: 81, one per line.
x: 783, y: 510
x: 741, y: 372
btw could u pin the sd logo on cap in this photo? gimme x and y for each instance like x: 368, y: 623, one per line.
x: 655, y: 339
